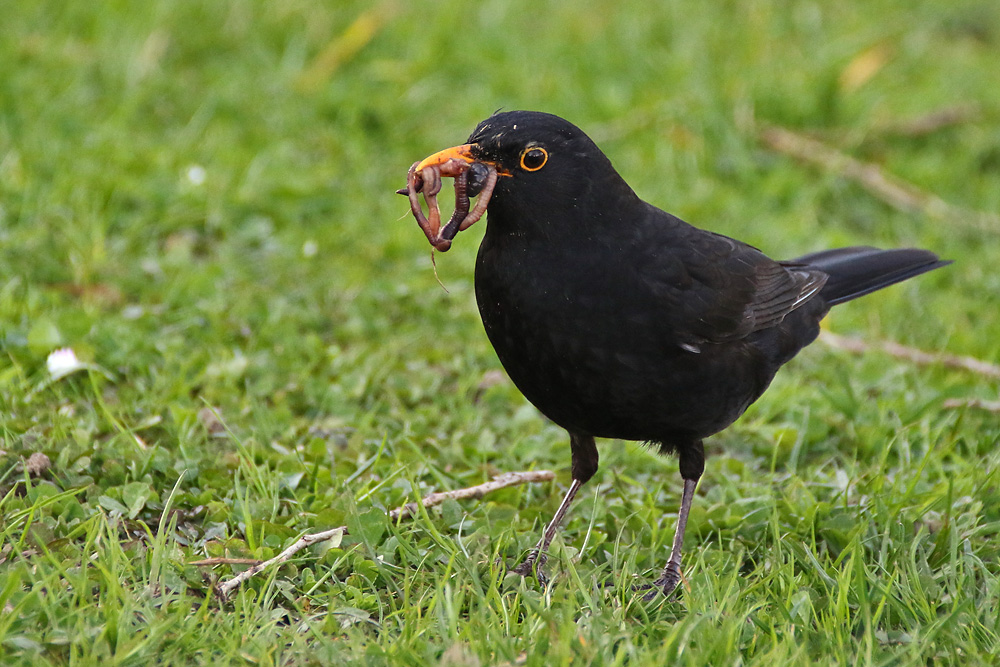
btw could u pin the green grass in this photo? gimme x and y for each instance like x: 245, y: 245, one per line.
x: 848, y: 518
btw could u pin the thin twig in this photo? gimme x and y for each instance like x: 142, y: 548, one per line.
x: 892, y: 190
x: 977, y: 403
x: 224, y: 561
x: 912, y: 354
x: 932, y: 122
x: 404, y: 512
x: 477, y: 491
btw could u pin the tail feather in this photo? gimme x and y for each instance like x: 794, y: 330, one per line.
x: 861, y: 270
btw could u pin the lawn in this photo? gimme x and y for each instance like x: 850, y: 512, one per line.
x: 196, y: 198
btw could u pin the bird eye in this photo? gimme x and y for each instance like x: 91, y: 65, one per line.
x: 533, y: 158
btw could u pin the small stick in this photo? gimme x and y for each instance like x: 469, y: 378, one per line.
x: 224, y: 561
x: 404, y: 512
x: 978, y: 403
x: 933, y: 121
x: 894, y: 191
x: 912, y: 354
x: 434, y: 264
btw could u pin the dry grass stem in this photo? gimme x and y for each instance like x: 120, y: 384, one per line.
x: 894, y: 191
x: 225, y: 588
x: 912, y: 354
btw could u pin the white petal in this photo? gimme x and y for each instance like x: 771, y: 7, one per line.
x: 62, y: 362
x: 196, y: 174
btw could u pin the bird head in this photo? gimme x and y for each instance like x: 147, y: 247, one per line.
x: 531, y: 170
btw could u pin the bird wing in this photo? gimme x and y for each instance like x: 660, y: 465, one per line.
x: 715, y: 289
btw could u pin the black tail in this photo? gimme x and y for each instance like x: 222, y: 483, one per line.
x: 861, y: 270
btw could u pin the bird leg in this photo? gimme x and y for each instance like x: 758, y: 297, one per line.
x: 671, y: 575
x: 536, y: 559
x: 585, y: 462
x: 692, y: 465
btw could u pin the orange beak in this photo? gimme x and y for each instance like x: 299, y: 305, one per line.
x: 443, y: 159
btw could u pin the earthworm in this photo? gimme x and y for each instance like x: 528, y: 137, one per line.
x: 428, y: 181
x: 461, y: 206
x: 482, y: 201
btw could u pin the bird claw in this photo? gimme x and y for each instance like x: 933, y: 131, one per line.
x: 649, y: 591
x: 667, y: 584
x: 531, y: 567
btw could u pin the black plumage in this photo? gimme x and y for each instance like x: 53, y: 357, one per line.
x: 619, y: 320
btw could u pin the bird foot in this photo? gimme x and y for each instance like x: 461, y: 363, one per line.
x: 530, y: 567
x: 667, y: 583
x: 650, y: 591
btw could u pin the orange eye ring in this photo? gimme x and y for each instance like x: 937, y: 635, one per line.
x: 534, y: 158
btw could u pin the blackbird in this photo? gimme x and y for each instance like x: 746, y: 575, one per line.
x: 619, y: 320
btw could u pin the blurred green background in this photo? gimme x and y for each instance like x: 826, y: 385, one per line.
x: 197, y: 198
